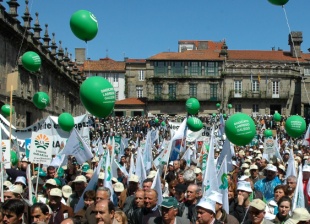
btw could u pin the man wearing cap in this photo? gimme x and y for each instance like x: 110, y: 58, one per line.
x: 300, y: 215
x: 255, y: 176
x: 267, y: 185
x: 206, y: 212
x: 118, y: 189
x: 257, y: 213
x: 80, y: 183
x: 198, y: 176
x: 220, y: 213
x: 169, y: 210
x: 60, y: 211
x: 129, y: 193
x: 14, y: 192
x: 305, y: 180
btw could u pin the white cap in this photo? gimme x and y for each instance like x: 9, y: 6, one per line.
x: 261, y: 147
x: 197, y: 170
x: 245, y: 165
x: 244, y: 186
x: 66, y: 191
x: 80, y: 178
x: 7, y: 183
x: 216, y: 196
x: 152, y: 174
x: 281, y: 167
x: 306, y: 168
x: 101, y: 176
x: 250, y: 150
x: 51, y: 182
x: 16, y: 189
x: 21, y: 179
x: 134, y: 178
x: 242, y: 178
x: 171, y: 163
x: 286, y: 152
x: 119, y: 187
x: 271, y: 168
x: 207, y: 203
x: 253, y: 167
x: 56, y: 192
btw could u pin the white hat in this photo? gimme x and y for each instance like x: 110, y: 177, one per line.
x: 299, y: 214
x: 101, y: 176
x: 281, y: 167
x: 114, y: 179
x: 245, y: 165
x: 247, y: 172
x: 90, y: 171
x: 253, y: 167
x: 250, y: 150
x: 261, y: 147
x: 21, y: 179
x: 306, y: 168
x: 248, y: 161
x: 207, y: 203
x: 134, y: 178
x: 250, y: 157
x: 56, y: 192
x: 286, y: 152
x: 66, y: 191
x: 16, y: 189
x: 7, y: 183
x: 197, y: 170
x: 152, y: 174
x: 241, y: 152
x: 171, y: 163
x: 95, y: 159
x: 51, y: 182
x: 244, y: 186
x: 258, y: 204
x: 80, y: 178
x: 216, y: 196
x: 119, y: 187
x: 242, y: 178
x: 271, y: 168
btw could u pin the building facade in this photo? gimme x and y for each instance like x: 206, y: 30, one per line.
x: 58, y: 76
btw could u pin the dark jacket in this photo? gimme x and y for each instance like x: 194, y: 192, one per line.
x: 280, y: 220
x: 90, y: 216
x: 59, y: 217
x: 240, y: 213
x: 229, y: 219
x: 159, y: 220
x: 142, y: 215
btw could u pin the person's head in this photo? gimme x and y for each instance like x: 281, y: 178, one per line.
x: 14, y: 192
x: 80, y: 183
x: 169, y: 209
x: 147, y: 184
x: 218, y: 199
x: 189, y: 176
x: 123, y: 160
x: 172, y: 185
x: 71, y: 220
x: 284, y: 206
x: 150, y: 198
x: 300, y: 216
x: 192, y: 193
x: 51, y: 172
x: 66, y: 191
x: 182, y: 164
x: 55, y: 198
x: 254, y: 171
x: 257, y: 211
x: 120, y: 217
x: 231, y: 191
x: 89, y: 174
x: 104, y: 211
x: 180, y: 177
x: 139, y: 198
x: 279, y: 191
x: 89, y: 198
x: 50, y: 184
x: 291, y: 183
x: 133, y: 183
x: 180, y: 190
x: 205, y: 211
x: 21, y: 180
x: 271, y: 172
x: 13, y: 210
x: 40, y: 213
x: 103, y: 193
x: 244, y: 189
x: 198, y: 173
x: 176, y: 165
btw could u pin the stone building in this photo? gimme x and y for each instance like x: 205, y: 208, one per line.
x: 58, y: 75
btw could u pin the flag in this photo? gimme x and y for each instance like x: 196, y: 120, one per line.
x: 77, y: 147
x: 221, y: 130
x: 226, y: 153
x: 179, y: 134
x: 291, y: 170
x: 132, y: 168
x: 156, y: 185
x: 163, y: 157
x: 100, y: 148
x: 108, y: 175
x: 118, y: 165
x: 140, y: 168
x: 298, y: 199
x: 58, y: 160
x: 187, y: 156
x: 90, y: 186
x: 306, y: 141
x: 208, y: 183
x: 30, y: 185
x: 147, y: 153
x: 223, y: 184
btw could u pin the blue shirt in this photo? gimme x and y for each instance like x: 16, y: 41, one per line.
x: 267, y: 187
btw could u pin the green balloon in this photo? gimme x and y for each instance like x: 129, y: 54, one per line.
x: 31, y: 61
x: 194, y: 124
x: 66, y: 121
x: 84, y: 25
x: 41, y: 100
x: 98, y: 96
x: 5, y: 109
x: 14, y: 159
x: 192, y: 106
x: 268, y: 133
x: 156, y: 120
x: 277, y: 116
x: 214, y: 115
x: 218, y: 105
x: 224, y: 115
x: 240, y: 129
x: 278, y: 2
x: 295, y: 126
x: 163, y: 123
x: 229, y: 106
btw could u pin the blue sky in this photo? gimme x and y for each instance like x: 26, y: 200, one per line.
x: 142, y: 28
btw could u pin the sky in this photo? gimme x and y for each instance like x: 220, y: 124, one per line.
x: 140, y: 29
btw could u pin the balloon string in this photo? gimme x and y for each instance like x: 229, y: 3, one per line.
x: 24, y: 34
x: 302, y: 77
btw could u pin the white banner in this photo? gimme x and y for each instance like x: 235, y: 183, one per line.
x: 48, y: 126
x: 41, y: 148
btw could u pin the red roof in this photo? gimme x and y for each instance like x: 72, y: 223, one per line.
x: 105, y: 64
x: 130, y: 101
x: 132, y: 60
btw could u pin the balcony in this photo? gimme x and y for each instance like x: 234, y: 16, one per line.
x: 248, y: 94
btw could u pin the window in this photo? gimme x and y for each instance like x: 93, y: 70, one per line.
x: 193, y: 90
x: 115, y: 78
x: 275, y: 89
x: 177, y: 68
x: 141, y: 75
x: 157, y: 91
x: 116, y: 95
x: 160, y: 68
x: 210, y: 68
x: 139, y: 91
x: 194, y: 68
x: 238, y: 108
x: 172, y: 91
x: 238, y: 88
x: 213, y: 91
x: 255, y: 108
x: 307, y: 71
x: 255, y: 86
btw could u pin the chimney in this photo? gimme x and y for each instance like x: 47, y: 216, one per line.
x: 295, y: 40
x: 80, y: 55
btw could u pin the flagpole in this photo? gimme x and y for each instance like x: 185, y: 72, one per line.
x: 37, y: 183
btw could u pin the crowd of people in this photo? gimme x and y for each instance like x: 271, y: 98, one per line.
x: 259, y: 190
